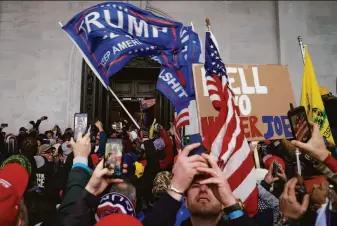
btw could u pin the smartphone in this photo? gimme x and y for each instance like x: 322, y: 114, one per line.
x: 113, y: 157
x: 80, y: 123
x: 191, y: 139
x: 275, y: 169
x: 301, y: 191
x: 299, y: 124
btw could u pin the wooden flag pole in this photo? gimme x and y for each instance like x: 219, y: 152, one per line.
x: 255, y: 154
x: 208, y: 24
x: 122, y: 105
x: 300, y: 42
x: 99, y: 78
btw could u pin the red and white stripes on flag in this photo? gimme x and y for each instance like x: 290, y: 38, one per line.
x: 180, y: 120
x: 144, y: 104
x: 214, y: 93
x: 301, y: 128
x: 225, y: 138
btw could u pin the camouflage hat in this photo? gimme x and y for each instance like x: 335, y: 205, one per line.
x: 161, y: 182
x: 45, y: 148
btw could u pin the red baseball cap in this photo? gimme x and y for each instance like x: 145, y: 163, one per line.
x: 13, y: 183
x: 269, y: 159
x: 310, y: 182
x: 119, y: 219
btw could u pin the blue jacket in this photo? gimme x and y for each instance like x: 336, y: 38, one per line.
x: 182, y: 214
x: 164, y: 213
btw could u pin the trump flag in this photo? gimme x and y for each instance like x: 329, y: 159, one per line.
x: 111, y: 34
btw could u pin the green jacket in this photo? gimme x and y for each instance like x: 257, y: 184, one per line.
x: 77, y: 180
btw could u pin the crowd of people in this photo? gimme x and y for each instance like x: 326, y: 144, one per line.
x: 49, y: 179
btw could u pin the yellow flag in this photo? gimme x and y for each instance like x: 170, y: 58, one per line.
x: 152, y: 129
x: 312, y: 101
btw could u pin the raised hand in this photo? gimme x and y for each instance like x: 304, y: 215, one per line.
x: 99, y: 125
x: 220, y: 188
x: 269, y: 176
x: 185, y: 168
x: 289, y: 205
x: 315, y: 146
x: 82, y: 146
x: 100, y: 179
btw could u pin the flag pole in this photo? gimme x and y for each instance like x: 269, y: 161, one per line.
x: 208, y: 24
x: 99, y: 78
x: 300, y: 42
x: 122, y: 105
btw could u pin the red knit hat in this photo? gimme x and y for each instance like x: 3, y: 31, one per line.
x: 269, y: 159
x: 119, y: 219
x: 13, y: 182
x: 310, y: 182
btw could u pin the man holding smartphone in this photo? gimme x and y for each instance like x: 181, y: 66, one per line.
x: 207, y: 192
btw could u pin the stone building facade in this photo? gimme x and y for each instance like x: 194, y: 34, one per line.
x: 41, y: 69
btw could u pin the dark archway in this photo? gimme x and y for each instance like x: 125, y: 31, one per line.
x: 136, y: 81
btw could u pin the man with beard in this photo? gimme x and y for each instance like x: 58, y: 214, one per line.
x: 207, y: 195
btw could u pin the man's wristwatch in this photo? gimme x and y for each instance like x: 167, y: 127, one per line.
x: 234, y: 211
x: 237, y: 206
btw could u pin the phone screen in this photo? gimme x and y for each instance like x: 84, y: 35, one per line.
x: 275, y: 169
x: 299, y: 124
x: 113, y: 157
x: 80, y: 124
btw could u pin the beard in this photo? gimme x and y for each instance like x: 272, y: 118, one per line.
x: 204, y: 209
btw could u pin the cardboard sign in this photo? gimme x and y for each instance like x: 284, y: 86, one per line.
x: 263, y: 94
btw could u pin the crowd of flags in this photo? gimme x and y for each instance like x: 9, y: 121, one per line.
x: 176, y: 47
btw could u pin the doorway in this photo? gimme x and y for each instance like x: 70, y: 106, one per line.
x: 136, y: 81
x: 146, y: 117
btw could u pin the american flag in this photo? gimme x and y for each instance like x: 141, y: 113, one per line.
x: 180, y: 119
x: 225, y: 138
x: 144, y: 104
x: 176, y: 132
x: 301, y: 129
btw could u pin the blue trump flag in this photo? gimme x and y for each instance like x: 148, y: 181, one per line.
x: 182, y: 60
x: 168, y: 83
x: 190, y: 53
x: 111, y: 34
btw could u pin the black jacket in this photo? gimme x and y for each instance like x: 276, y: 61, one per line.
x: 83, y: 213
x: 77, y: 180
x: 145, y: 183
x: 165, y: 210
